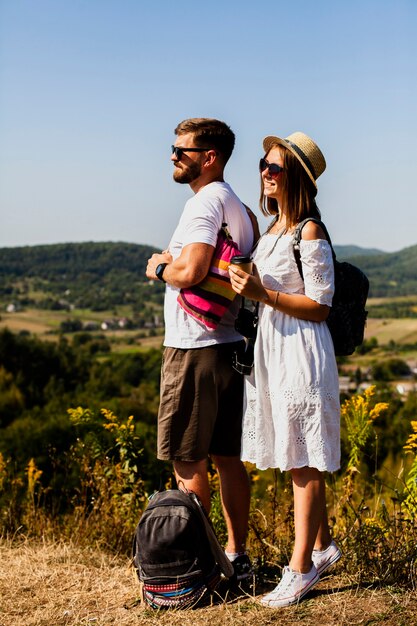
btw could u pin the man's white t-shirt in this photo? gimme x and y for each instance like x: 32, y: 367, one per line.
x: 200, y: 222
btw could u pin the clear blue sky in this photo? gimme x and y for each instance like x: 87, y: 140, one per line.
x: 91, y: 90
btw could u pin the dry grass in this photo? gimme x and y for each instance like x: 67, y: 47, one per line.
x: 45, y: 325
x: 401, y: 330
x: 36, y: 323
x: 57, y: 584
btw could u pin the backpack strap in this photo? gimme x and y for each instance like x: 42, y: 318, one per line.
x: 255, y: 225
x: 297, y: 238
x: 217, y: 551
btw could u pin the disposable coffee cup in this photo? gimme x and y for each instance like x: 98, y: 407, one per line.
x: 243, y: 262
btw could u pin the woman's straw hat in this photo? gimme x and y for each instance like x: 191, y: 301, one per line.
x: 304, y: 148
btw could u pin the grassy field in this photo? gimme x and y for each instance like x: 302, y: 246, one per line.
x: 57, y: 584
x: 46, y: 325
x: 392, y: 300
x: 401, y: 331
x: 36, y: 321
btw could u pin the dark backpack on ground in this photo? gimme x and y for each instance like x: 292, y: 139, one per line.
x: 176, y: 553
x: 347, y: 317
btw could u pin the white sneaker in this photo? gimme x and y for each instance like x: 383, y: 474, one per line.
x: 323, y: 559
x: 292, y: 587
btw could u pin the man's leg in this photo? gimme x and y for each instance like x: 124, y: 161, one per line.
x: 235, y: 495
x: 193, y: 476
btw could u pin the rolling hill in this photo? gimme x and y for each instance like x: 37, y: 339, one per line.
x: 390, y: 273
x: 103, y: 274
x: 84, y: 275
x: 346, y: 252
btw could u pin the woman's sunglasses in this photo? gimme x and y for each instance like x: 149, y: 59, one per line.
x: 179, y: 151
x: 273, y: 168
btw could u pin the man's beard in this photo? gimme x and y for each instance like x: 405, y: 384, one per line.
x: 187, y: 174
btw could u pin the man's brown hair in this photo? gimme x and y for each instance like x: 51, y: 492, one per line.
x: 209, y: 133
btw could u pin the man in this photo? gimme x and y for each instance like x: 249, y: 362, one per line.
x: 200, y: 411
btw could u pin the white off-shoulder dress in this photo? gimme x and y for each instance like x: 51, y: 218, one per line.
x: 292, y: 409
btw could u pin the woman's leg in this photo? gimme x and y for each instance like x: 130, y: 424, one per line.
x: 324, y: 538
x: 310, y: 516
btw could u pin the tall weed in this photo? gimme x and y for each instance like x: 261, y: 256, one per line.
x: 107, y: 496
x: 410, y: 500
x: 111, y: 495
x: 379, y: 539
x: 374, y: 522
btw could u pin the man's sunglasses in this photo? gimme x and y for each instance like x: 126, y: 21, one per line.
x: 273, y: 168
x: 179, y: 151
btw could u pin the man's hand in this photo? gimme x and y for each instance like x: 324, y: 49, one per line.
x: 154, y: 261
x: 187, y: 270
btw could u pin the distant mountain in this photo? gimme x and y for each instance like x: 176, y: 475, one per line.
x: 85, y: 275
x: 103, y: 274
x: 69, y: 260
x: 390, y: 273
x: 345, y: 252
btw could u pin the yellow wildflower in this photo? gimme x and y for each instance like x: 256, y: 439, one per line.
x: 411, y: 443
x: 377, y: 410
x: 373, y: 523
x: 3, y: 473
x: 33, y: 474
x: 369, y: 392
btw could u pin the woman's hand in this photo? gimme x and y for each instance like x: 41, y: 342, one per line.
x: 297, y: 304
x: 247, y: 285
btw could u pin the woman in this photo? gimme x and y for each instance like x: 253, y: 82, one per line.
x: 292, y: 411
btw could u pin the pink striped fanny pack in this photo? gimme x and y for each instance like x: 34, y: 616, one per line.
x: 208, y: 301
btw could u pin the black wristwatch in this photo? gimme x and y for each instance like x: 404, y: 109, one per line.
x: 160, y: 270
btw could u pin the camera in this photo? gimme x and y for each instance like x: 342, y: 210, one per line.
x: 246, y: 323
x: 242, y: 360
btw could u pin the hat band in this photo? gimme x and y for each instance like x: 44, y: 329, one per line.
x: 303, y: 157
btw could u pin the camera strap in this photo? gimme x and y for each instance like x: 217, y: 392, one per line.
x: 255, y: 305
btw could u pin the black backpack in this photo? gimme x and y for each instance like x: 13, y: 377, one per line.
x: 347, y: 317
x: 176, y: 553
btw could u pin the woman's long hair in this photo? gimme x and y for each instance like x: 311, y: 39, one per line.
x: 298, y: 191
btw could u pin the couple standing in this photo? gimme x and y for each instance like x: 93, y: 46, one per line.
x: 290, y: 404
